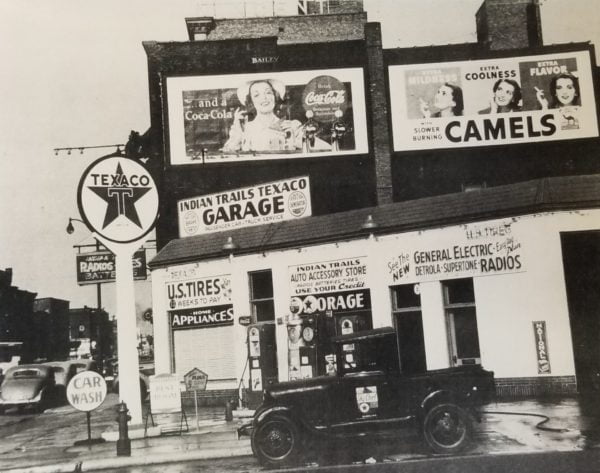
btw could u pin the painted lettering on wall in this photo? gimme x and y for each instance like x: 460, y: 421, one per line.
x: 472, y: 250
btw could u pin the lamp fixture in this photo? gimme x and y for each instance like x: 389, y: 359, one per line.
x: 369, y: 223
x: 70, y: 229
x: 81, y: 149
x: 229, y: 245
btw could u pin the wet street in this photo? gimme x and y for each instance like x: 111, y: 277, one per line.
x: 551, y: 462
x: 528, y: 435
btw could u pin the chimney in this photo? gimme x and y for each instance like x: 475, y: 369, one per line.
x: 509, y: 24
x: 199, y: 27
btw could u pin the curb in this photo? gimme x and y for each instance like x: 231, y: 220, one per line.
x: 121, y: 462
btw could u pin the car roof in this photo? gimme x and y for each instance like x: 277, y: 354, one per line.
x: 42, y: 368
x: 364, y: 335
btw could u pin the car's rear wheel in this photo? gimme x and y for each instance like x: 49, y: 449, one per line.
x: 447, y: 428
x: 276, y: 441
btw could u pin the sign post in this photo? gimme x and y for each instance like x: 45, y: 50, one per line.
x: 118, y: 200
x: 85, y: 392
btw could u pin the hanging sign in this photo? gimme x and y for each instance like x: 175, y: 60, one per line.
x: 541, y: 347
x: 118, y: 199
x: 99, y: 266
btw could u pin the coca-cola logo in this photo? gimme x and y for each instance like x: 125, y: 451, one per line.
x: 323, y: 96
x: 331, y: 97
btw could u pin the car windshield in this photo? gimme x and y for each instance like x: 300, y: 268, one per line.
x: 27, y: 374
x: 371, y: 354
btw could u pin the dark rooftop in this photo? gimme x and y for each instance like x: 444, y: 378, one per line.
x: 557, y: 193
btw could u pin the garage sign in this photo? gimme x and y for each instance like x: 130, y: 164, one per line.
x: 86, y: 391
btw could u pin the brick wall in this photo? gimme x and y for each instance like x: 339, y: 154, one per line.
x: 293, y: 29
x: 507, y: 388
x: 376, y: 90
x: 508, y: 24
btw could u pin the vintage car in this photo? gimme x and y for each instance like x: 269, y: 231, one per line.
x: 111, y: 375
x: 65, y: 370
x: 368, y: 394
x: 28, y: 386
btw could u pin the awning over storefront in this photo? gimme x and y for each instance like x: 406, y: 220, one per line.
x: 549, y: 194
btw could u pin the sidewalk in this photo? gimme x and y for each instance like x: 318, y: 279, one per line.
x: 45, y: 450
x: 573, y: 425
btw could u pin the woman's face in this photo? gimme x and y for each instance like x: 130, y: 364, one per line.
x: 263, y: 97
x: 504, y: 94
x: 565, y: 91
x: 443, y: 98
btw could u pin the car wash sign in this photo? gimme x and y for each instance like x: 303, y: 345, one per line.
x: 99, y: 267
x: 86, y: 391
x: 200, y: 302
x: 266, y: 203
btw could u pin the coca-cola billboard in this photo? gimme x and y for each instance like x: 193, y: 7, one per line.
x: 275, y: 115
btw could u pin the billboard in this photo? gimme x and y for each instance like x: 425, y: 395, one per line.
x: 275, y: 115
x: 265, y: 203
x: 99, y: 267
x: 492, y: 101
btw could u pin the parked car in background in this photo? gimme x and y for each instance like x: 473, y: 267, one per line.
x: 111, y: 375
x: 65, y: 370
x: 368, y: 395
x: 28, y: 386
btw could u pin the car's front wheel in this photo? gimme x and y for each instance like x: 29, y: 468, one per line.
x: 276, y: 441
x: 447, y: 428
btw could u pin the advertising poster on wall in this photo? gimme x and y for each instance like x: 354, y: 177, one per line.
x: 240, y: 117
x: 471, y: 250
x: 328, y: 276
x: 493, y: 101
x: 266, y: 203
x: 200, y: 302
x: 337, y: 285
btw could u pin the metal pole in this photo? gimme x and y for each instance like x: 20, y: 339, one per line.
x: 196, y: 403
x: 89, y: 426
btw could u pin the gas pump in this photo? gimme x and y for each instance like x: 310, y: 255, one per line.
x: 262, y: 356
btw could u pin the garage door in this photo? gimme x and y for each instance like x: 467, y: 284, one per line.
x: 210, y: 350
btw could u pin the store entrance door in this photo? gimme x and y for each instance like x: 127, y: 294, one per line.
x: 581, y: 260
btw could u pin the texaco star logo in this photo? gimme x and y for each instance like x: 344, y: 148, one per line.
x: 118, y: 199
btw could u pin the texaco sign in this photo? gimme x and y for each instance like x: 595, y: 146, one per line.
x: 118, y: 199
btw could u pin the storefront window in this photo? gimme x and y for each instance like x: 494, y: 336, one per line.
x: 461, y: 320
x: 408, y: 320
x: 261, y: 296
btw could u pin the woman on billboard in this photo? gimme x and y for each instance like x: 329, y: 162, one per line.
x: 564, y: 92
x: 506, y: 97
x: 257, y: 126
x: 448, y: 100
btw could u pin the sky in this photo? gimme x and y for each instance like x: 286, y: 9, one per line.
x: 74, y: 74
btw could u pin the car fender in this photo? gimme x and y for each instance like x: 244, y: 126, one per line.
x: 437, y: 397
x: 274, y: 410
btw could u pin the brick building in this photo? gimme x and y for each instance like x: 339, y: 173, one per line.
x: 450, y: 226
